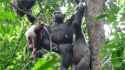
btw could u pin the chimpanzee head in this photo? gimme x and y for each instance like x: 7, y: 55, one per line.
x: 23, y: 7
x: 59, y: 17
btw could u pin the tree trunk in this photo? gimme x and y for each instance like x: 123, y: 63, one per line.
x: 95, y: 31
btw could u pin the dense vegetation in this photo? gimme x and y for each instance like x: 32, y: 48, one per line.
x: 14, y: 54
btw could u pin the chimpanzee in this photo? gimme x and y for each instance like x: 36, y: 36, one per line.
x: 81, y: 52
x: 23, y: 7
x: 60, y: 35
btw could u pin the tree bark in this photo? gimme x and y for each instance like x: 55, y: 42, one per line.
x: 95, y: 31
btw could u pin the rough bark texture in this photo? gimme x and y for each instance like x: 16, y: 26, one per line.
x: 96, y: 31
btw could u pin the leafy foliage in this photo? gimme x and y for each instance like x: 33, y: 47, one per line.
x: 115, y: 45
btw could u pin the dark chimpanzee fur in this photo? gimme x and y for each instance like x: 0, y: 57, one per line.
x: 78, y: 1
x: 81, y: 53
x: 61, y: 34
x: 23, y: 7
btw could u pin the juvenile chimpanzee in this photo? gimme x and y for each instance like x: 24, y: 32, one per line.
x: 60, y: 35
x: 23, y: 7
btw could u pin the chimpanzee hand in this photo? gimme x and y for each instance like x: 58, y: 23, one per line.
x: 39, y: 53
x: 81, y: 5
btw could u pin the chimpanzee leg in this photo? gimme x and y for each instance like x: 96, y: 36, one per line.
x: 66, y: 52
x: 83, y: 64
x: 66, y: 61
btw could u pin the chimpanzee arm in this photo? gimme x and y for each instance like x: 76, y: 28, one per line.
x: 67, y: 55
x: 79, y: 14
x: 77, y: 21
x: 77, y: 17
x: 31, y: 18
